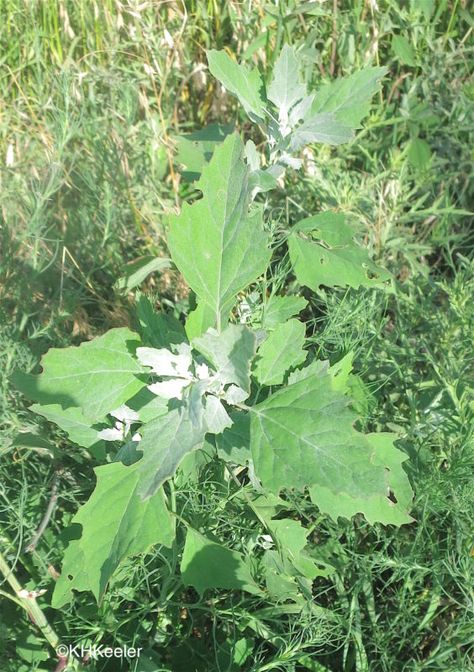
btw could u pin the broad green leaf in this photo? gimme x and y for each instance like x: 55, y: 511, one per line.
x: 291, y: 538
x: 166, y: 440
x: 98, y: 376
x: 233, y: 653
x: 290, y: 561
x: 303, y: 436
x: 280, y: 583
x: 230, y: 353
x: 349, y: 98
x: 244, y: 83
x: 280, y: 352
x: 199, y: 320
x: 338, y: 109
x: 137, y: 271
x: 216, y: 417
x: 419, y: 153
x: 383, y: 456
x: 196, y: 149
x: 261, y: 181
x: 189, y: 469
x: 279, y: 309
x: 206, y: 564
x: 76, y: 426
x: 158, y: 329
x: 233, y: 444
x: 115, y: 524
x: 30, y: 648
x: 323, y: 128
x: 327, y: 254
x: 286, y: 87
x: 403, y: 50
x: 217, y: 243
x: 269, y: 505
x: 148, y: 405
x: 251, y: 155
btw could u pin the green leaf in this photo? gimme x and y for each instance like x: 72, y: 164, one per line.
x: 403, y: 50
x: 261, y: 181
x: 98, y: 376
x: 76, y: 426
x: 303, y: 436
x: 291, y: 537
x: 230, y: 353
x: 419, y: 153
x: 383, y: 456
x: 233, y: 444
x: 338, y: 109
x: 286, y: 87
x: 148, y: 405
x: 217, y: 244
x: 238, y: 79
x: 206, y: 564
x: 323, y: 128
x: 137, y: 271
x: 31, y: 648
x: 279, y: 309
x: 199, y: 320
x: 328, y: 255
x: 280, y: 584
x: 166, y: 440
x: 31, y: 441
x: 196, y: 149
x: 349, y: 98
x: 115, y: 524
x: 157, y: 329
x: 290, y: 569
x: 216, y: 417
x: 281, y: 351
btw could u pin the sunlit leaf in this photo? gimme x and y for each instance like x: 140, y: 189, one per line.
x: 115, y: 523
x: 238, y: 79
x: 97, y: 376
x: 206, y: 564
x: 323, y: 252
x: 230, y: 353
x: 303, y: 436
x: 217, y: 243
x: 281, y: 351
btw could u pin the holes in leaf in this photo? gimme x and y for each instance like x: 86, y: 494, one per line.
x: 371, y: 275
x: 391, y: 496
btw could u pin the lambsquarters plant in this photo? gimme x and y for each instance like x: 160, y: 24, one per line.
x: 147, y: 404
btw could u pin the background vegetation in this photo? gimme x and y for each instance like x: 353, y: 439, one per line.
x: 93, y: 95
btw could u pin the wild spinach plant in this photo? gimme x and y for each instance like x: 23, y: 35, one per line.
x: 148, y: 404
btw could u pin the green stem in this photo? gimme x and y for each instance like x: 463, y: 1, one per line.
x: 33, y: 610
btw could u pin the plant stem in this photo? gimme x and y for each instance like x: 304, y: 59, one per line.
x: 33, y: 610
x: 47, y: 516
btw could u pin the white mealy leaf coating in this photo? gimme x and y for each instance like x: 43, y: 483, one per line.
x: 163, y: 362
x: 124, y: 413
x: 170, y: 389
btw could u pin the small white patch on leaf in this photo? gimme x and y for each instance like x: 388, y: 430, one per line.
x: 111, y: 434
x: 170, y: 389
x: 165, y: 363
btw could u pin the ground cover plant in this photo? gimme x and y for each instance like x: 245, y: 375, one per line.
x: 252, y: 443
